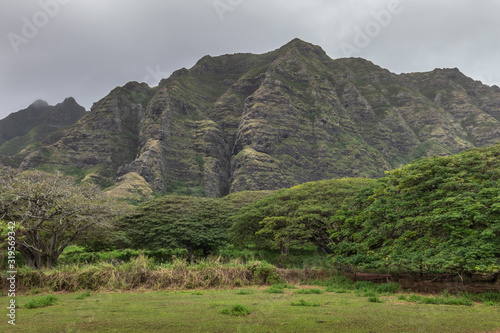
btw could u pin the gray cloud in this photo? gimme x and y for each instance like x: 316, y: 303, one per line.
x: 85, y: 48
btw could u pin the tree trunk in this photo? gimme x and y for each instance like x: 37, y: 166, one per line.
x: 36, y: 260
x: 285, y: 248
x: 31, y: 257
x: 190, y: 254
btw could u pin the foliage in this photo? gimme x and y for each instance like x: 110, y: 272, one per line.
x: 374, y: 299
x: 43, y: 213
x: 438, y: 213
x: 264, y: 272
x: 296, y: 259
x: 296, y: 216
x: 40, y: 301
x: 172, y: 222
x: 178, y: 222
x: 237, y: 310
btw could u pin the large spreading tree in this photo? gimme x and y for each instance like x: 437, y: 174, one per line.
x: 435, y: 214
x: 178, y: 222
x: 49, y: 212
x: 300, y: 215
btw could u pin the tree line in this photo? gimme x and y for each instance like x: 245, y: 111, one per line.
x: 438, y: 213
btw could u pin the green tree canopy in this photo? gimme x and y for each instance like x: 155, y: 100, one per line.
x: 178, y: 222
x: 298, y: 215
x: 438, y: 213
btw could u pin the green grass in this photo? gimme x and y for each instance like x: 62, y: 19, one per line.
x: 308, y: 291
x: 489, y: 298
x: 274, y: 290
x: 176, y: 311
x: 40, y: 302
x: 83, y: 294
x: 304, y: 303
x: 279, y: 288
x: 338, y: 284
x: 443, y: 299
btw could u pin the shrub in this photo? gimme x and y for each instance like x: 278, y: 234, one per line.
x: 40, y: 301
x: 274, y: 290
x: 374, y: 299
x: 264, y: 272
x: 237, y: 310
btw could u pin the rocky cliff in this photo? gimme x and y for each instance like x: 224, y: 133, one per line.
x: 258, y: 122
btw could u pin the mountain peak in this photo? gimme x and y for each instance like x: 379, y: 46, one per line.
x: 39, y: 103
x: 305, y: 48
x: 297, y: 42
x: 70, y: 101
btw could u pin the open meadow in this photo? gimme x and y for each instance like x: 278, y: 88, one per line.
x: 276, y: 308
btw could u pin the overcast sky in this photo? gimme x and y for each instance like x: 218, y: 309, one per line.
x: 53, y: 49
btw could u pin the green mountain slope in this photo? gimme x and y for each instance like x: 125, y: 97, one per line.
x: 262, y: 122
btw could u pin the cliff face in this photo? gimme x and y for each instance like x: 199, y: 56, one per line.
x: 259, y: 122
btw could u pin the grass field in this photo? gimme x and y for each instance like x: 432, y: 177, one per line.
x: 294, y: 310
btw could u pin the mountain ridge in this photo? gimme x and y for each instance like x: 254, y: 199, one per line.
x: 24, y: 131
x: 261, y: 122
